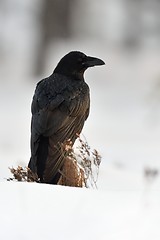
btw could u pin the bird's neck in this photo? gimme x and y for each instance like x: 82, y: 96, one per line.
x: 78, y: 76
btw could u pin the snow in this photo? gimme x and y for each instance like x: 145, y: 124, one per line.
x: 40, y: 211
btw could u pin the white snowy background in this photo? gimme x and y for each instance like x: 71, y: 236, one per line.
x: 124, y: 126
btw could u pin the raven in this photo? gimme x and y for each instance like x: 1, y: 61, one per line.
x: 60, y: 107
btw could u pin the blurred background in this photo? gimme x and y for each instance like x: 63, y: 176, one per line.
x: 124, y: 122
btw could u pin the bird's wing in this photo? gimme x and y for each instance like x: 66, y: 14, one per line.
x: 46, y: 114
x: 55, y: 102
x: 58, y: 112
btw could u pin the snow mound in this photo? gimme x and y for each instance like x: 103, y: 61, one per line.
x: 41, y: 211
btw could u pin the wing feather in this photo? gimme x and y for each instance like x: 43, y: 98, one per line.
x: 59, y: 110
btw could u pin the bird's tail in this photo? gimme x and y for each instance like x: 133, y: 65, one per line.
x: 54, y: 163
x: 42, y: 155
x: 39, y: 154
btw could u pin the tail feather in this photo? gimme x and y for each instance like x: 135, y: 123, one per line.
x: 42, y: 154
x: 54, y: 164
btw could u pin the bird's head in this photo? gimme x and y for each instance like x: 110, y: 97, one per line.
x: 75, y: 63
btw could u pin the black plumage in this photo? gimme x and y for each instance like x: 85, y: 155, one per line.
x: 60, y: 107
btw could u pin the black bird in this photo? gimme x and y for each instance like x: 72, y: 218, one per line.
x: 60, y: 107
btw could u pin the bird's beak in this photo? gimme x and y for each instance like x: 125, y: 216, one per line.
x: 92, y: 61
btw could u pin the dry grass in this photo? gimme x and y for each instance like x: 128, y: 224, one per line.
x: 72, y: 174
x: 81, y: 167
x: 89, y: 161
x: 21, y: 174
